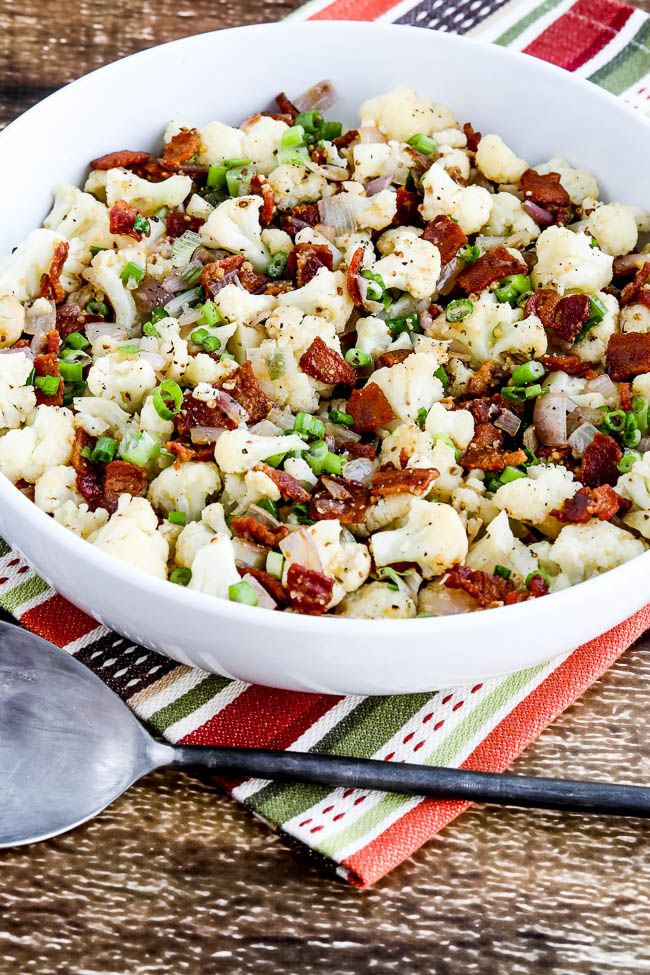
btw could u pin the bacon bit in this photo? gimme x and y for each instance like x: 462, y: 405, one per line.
x: 570, y: 316
x: 319, y: 155
x: 350, y: 509
x: 408, y: 203
x: 353, y: 276
x: 538, y: 586
x: 244, y: 387
x: 197, y: 413
x: 89, y: 481
x: 345, y: 140
x: 486, y: 377
x: 634, y: 292
x: 473, y: 138
x: 487, y: 590
x: 277, y: 288
x: 122, y: 159
x: 177, y: 223
x: 122, y: 217
x: 625, y: 396
x: 305, y: 260
x: 488, y: 407
x: 260, y: 186
x: 600, y: 461
x: 543, y: 304
x: 272, y: 585
x: 327, y: 365
x: 309, y: 591
x: 357, y: 449
x: 153, y: 170
x: 181, y: 148
x: 213, y: 274
x: 51, y: 286
x: 307, y: 213
x: 486, y: 453
x: 290, y: 488
x: 120, y: 477
x: 70, y: 318
x: 601, y: 502
x: 392, y: 358
x: 255, y: 531
x: 47, y: 364
x: 628, y: 355
x: 414, y: 480
x: 571, y: 364
x: 447, y: 236
x: 545, y: 190
x: 101, y: 487
x: 492, y: 266
x: 286, y: 106
x: 370, y: 408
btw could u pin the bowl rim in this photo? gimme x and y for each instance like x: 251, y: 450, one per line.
x: 529, y: 612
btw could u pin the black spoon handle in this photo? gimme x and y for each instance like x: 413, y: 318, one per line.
x: 422, y: 780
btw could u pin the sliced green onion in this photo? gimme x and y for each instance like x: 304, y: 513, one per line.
x: 71, y: 391
x: 77, y: 341
x: 179, y: 302
x: 275, y: 460
x: 95, y: 250
x: 243, y: 592
x: 458, y: 309
x: 71, y: 372
x: 275, y: 564
x: 331, y: 131
x: 310, y: 425
x: 614, y: 421
x: 511, y: 474
x: 177, y: 518
x: 269, y: 506
x: 234, y: 179
x: 132, y: 274
x: 49, y: 385
x: 376, y: 287
x: 309, y: 121
x: 502, y: 571
x: 358, y: 358
x: 139, y: 448
x: 421, y: 418
x: 597, y: 310
x: 631, y: 434
x: 292, y: 157
x: 519, y: 394
x: 406, y: 323
x: 442, y: 375
x: 158, y: 314
x: 161, y: 213
x: 512, y: 287
x: 150, y: 330
x: 87, y: 453
x: 192, y: 275
x: 277, y: 264
x: 210, y: 314
x: 183, y: 248
x: 168, y: 399
x: 104, y: 450
x: 392, y: 576
x: 640, y: 408
x: 180, y: 576
x: 316, y: 455
x: 301, y: 513
x: 141, y: 225
x: 276, y: 365
x: 333, y: 464
x: 528, y: 372
x: 293, y: 138
x: 628, y: 460
x: 129, y: 348
x: 98, y: 308
x: 31, y: 379
x: 341, y: 418
x: 423, y: 143
x: 217, y: 176
x: 523, y: 298
x: 226, y: 355
x: 469, y: 253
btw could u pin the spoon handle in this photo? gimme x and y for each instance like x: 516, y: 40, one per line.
x: 422, y: 780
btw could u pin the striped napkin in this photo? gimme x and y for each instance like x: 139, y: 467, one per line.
x: 360, y: 834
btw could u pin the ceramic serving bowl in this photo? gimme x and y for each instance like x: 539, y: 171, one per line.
x: 539, y: 110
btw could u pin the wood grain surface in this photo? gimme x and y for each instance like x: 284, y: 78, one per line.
x: 176, y: 879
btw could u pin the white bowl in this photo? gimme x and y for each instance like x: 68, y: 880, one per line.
x: 540, y: 110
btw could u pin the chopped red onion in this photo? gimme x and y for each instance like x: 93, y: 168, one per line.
x: 300, y: 547
x: 205, y: 435
x: 26, y: 350
x: 334, y: 489
x: 602, y: 384
x: 643, y: 445
x: 448, y: 275
x: 340, y: 434
x: 249, y: 552
x: 325, y: 230
x: 378, y: 184
x: 337, y: 212
x: 440, y: 601
x: 539, y: 214
x: 233, y: 410
x: 369, y: 135
x: 530, y: 440
x: 264, y: 600
x: 360, y: 469
x: 336, y: 174
x: 581, y: 438
x: 368, y: 303
x: 175, y: 282
x: 97, y: 330
x: 40, y: 320
x: 263, y: 516
x: 550, y: 419
x: 183, y: 300
x: 508, y: 421
x: 282, y: 418
x: 265, y: 428
x: 629, y: 263
x: 425, y: 319
x: 155, y: 359
x: 319, y: 97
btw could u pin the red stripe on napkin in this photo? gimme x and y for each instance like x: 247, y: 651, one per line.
x: 59, y: 621
x: 581, y: 33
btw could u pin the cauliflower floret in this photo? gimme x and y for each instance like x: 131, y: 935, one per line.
x: 236, y: 451
x: 579, y: 183
x: 401, y: 113
x: 213, y: 568
x: 509, y: 219
x: 470, y: 206
x: 325, y: 295
x: 593, y: 346
x: 196, y: 534
x: 276, y: 240
x: 28, y: 452
x: 300, y: 469
x: 131, y: 536
x: 78, y: 518
x: 455, y: 161
x: 343, y: 559
x: 276, y: 367
x: 261, y: 144
x: 614, y: 227
x: 104, y: 274
x: 407, y: 441
x: 374, y: 212
x: 531, y: 499
x: 169, y: 343
x: 235, y: 225
x: 641, y: 385
x: 494, y: 330
x: 202, y: 368
x: 381, y: 159
x: 298, y: 330
x: 413, y: 267
x: 121, y: 184
x: 79, y: 215
x: 498, y: 162
x: 500, y: 547
x: 12, y: 320
x: 374, y: 337
x: 584, y: 551
x: 99, y: 416
x: 218, y: 141
x: 349, y: 243
x: 185, y: 488
x: 635, y: 485
x: 390, y: 512
x: 56, y: 494
x: 635, y: 318
x: 293, y: 185
x: 376, y: 601
x: 458, y: 425
x: 152, y: 422
x: 20, y: 271
x: 310, y: 236
x: 236, y: 305
x: 410, y: 386
x: 433, y: 536
x: 125, y: 381
x: 566, y: 261
x: 16, y: 399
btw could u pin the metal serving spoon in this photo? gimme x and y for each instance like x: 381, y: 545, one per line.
x: 69, y: 746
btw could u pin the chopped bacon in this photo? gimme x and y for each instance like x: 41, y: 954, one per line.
x: 486, y: 377
x: 309, y: 591
x: 566, y: 316
x: 181, y: 147
x: 358, y: 449
x: 600, y: 461
x: 272, y: 585
x: 277, y: 288
x: 289, y: 487
x: 307, y: 213
x: 122, y: 159
x: 319, y: 155
x: 414, y: 480
x: 89, y: 475
x: 305, y: 260
x: 392, y: 358
x: 600, y: 502
x: 473, y: 138
x: 538, y: 586
x: 447, y: 236
x: 327, y: 365
x: 199, y: 413
x: 120, y: 477
x: 625, y: 396
x: 286, y: 106
x: 488, y: 407
x: 260, y: 186
x: 99, y: 486
x: 486, y: 452
x: 70, y: 318
x: 408, y: 203
x: 571, y: 364
x: 635, y: 290
x: 177, y: 223
x: 256, y: 531
x: 184, y: 453
x: 492, y: 266
x: 47, y: 364
x: 370, y: 408
x: 122, y: 217
x: 348, y: 504
x: 213, y: 274
x: 545, y: 190
x: 51, y: 286
x: 628, y: 355
x: 345, y: 140
x: 244, y: 387
x: 543, y: 304
x: 353, y: 276
x: 486, y: 589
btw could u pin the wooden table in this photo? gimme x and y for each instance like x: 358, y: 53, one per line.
x: 176, y: 879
